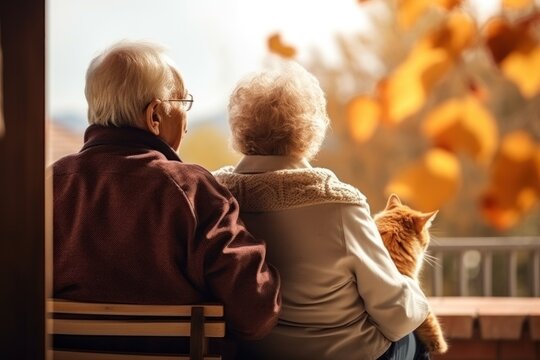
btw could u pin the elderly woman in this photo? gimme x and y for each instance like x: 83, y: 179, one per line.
x: 343, y: 297
x: 133, y: 223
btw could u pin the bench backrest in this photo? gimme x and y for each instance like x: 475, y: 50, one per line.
x: 196, y: 322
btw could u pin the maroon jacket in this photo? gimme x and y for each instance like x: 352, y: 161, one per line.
x: 133, y: 224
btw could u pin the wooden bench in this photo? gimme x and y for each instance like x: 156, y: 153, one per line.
x: 197, y: 323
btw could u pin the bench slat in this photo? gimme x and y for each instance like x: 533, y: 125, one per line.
x: 196, y: 322
x: 127, y: 328
x: 70, y: 355
x: 69, y: 307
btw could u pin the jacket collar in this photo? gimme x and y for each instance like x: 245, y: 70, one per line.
x: 287, y: 188
x: 96, y: 135
x: 256, y: 164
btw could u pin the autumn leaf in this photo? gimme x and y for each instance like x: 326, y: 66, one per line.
x: 409, y: 11
x: 276, y: 45
x: 516, y: 4
x: 448, y: 4
x: 523, y: 68
x: 456, y: 34
x: 405, y: 91
x: 514, y: 187
x: 517, y: 53
x: 430, y: 182
x: 363, y: 115
x: 463, y: 125
x: 501, y: 38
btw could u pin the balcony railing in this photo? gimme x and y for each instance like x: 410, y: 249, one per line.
x: 479, y: 266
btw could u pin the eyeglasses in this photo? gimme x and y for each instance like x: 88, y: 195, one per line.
x: 186, y: 103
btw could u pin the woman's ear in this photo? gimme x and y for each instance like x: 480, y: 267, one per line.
x: 152, y: 118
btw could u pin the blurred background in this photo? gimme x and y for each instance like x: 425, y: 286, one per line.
x: 437, y: 101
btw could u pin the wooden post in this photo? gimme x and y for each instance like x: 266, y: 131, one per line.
x: 22, y: 173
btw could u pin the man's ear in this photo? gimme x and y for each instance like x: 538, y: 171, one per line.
x: 152, y: 118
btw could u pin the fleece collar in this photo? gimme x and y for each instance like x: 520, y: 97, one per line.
x: 287, y: 189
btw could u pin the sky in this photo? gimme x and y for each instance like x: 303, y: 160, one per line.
x: 213, y: 42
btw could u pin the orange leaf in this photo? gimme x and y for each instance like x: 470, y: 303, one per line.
x: 463, y: 125
x: 456, y: 34
x: 501, y: 39
x: 516, y: 4
x: 363, y: 116
x: 522, y: 66
x: 276, y: 46
x: 405, y: 91
x: 429, y: 183
x: 409, y: 11
x: 514, y: 187
x: 517, y: 53
x: 448, y: 4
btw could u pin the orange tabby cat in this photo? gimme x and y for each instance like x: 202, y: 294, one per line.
x: 405, y: 235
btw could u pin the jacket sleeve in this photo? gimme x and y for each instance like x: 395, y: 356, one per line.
x: 233, y: 264
x: 395, y: 302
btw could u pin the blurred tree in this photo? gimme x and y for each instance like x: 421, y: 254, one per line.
x: 208, y: 146
x: 441, y: 108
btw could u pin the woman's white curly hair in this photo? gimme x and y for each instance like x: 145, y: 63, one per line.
x: 278, y: 112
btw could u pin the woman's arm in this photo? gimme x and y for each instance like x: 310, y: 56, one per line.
x: 395, y: 302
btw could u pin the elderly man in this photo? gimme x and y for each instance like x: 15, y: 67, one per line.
x: 133, y: 223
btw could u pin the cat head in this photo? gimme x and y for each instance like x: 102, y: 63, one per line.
x: 405, y: 233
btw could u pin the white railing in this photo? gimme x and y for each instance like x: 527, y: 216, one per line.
x: 475, y: 256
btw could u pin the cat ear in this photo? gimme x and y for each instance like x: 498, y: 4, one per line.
x: 425, y: 220
x: 393, y: 201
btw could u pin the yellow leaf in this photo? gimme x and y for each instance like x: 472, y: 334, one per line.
x: 463, y: 125
x: 276, y: 45
x: 514, y: 187
x: 448, y: 4
x: 363, y: 117
x: 516, y: 4
x: 429, y: 183
x: 409, y: 11
x: 405, y: 91
x: 522, y: 67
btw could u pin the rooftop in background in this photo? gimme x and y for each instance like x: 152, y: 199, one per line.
x: 62, y: 141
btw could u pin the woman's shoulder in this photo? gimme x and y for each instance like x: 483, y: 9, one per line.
x: 289, y: 188
x: 338, y: 188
